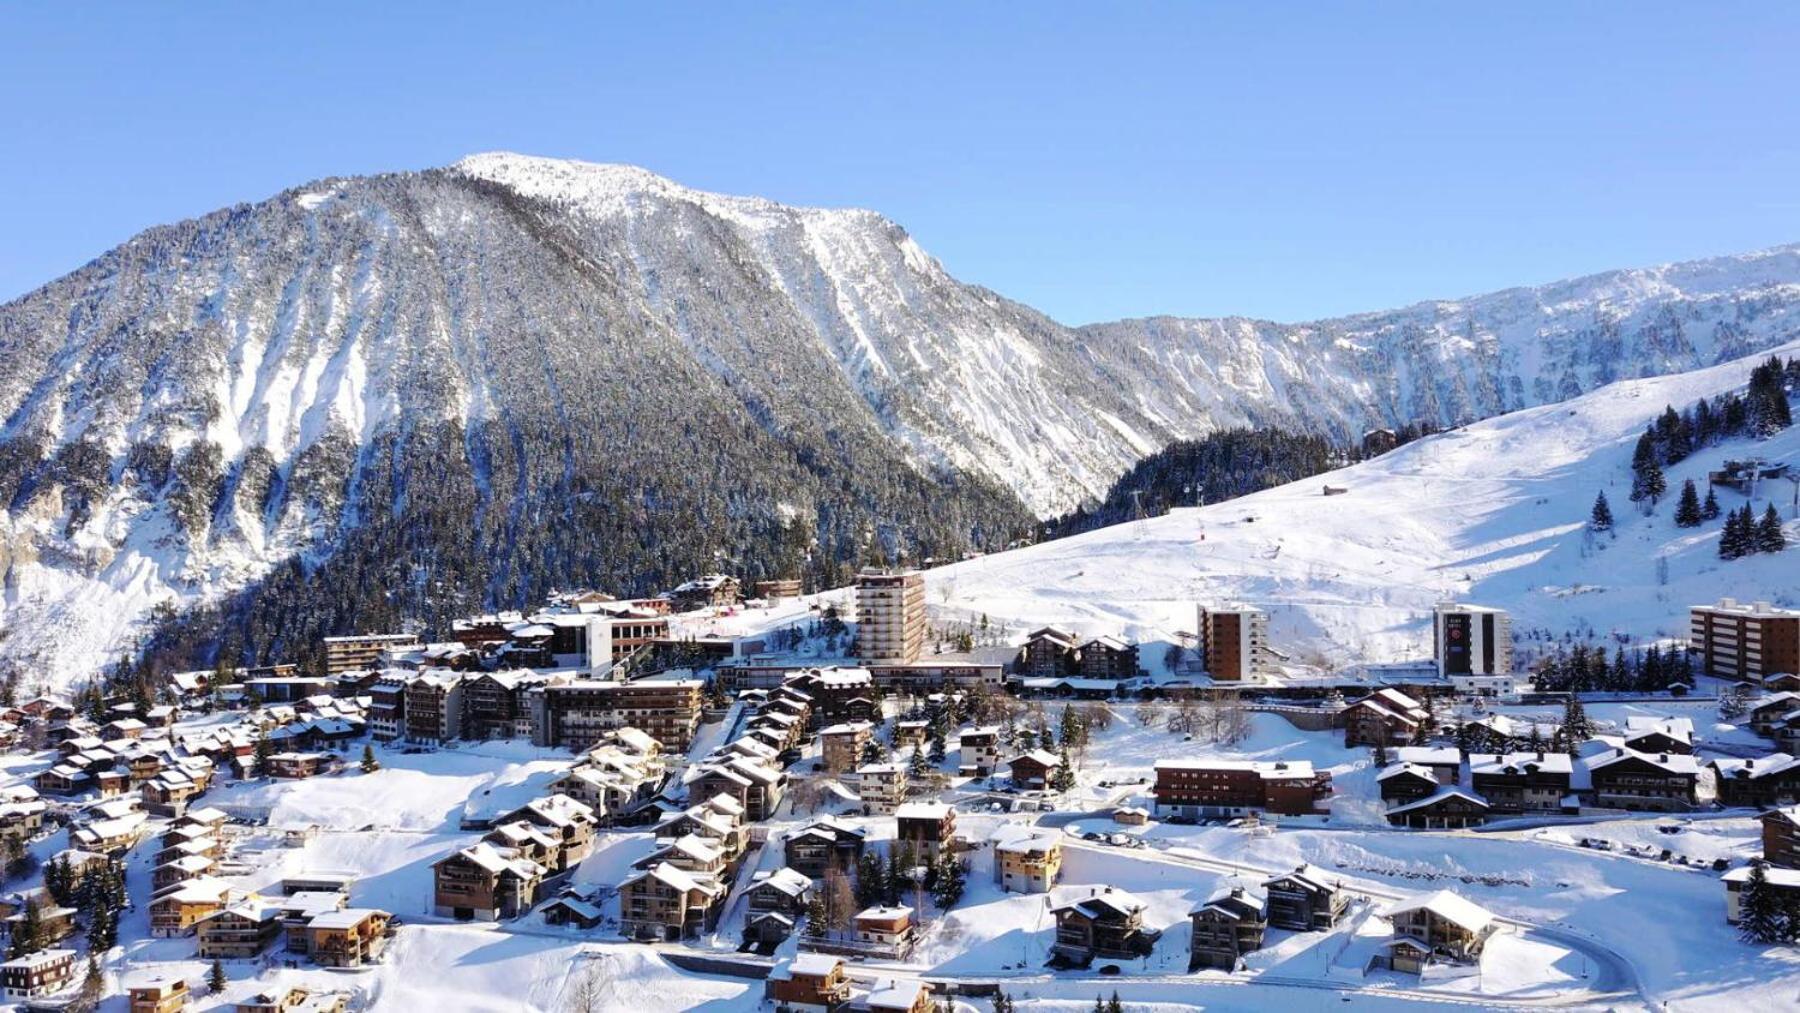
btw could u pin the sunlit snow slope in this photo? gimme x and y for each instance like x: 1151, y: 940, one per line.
x: 1493, y: 513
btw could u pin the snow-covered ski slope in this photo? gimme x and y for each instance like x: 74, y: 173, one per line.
x: 1493, y: 513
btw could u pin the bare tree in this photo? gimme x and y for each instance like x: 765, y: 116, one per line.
x: 586, y: 993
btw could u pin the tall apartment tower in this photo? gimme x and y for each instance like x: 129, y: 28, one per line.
x: 1471, y: 640
x: 1236, y: 643
x: 890, y: 616
x: 1745, y: 642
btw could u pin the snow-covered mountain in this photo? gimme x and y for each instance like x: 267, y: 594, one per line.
x: 1494, y: 513
x: 470, y: 383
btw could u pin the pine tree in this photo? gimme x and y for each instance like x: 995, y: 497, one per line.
x: 1647, y: 482
x: 1063, y: 778
x: 816, y: 919
x: 369, y: 764
x: 1576, y: 726
x: 215, y: 977
x: 1759, y: 909
x: 1734, y: 541
x: 264, y: 750
x: 950, y: 881
x: 103, y: 928
x: 1003, y: 1003
x: 1113, y: 1005
x: 1768, y: 534
x: 871, y: 880
x: 1381, y: 756
x: 917, y: 766
x: 939, y: 748
x: 1602, y: 518
x: 1687, y: 510
x: 872, y: 751
x: 28, y: 938
x: 1099, y: 1005
x: 1709, y: 510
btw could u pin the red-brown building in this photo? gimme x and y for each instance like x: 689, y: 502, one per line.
x: 1237, y: 787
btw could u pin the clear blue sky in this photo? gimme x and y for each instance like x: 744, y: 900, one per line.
x: 1099, y: 161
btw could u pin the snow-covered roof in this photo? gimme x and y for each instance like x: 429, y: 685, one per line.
x: 1779, y: 877
x: 1438, y: 796
x: 348, y: 918
x: 786, y: 880
x: 922, y: 811
x: 1452, y: 907
x: 1396, y: 769
x: 893, y: 993
x: 1546, y: 761
x: 1041, y: 756
x: 1430, y: 756
x: 1674, y: 763
x: 816, y: 965
x: 1098, y: 902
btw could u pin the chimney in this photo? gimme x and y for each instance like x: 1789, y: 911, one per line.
x: 1663, y: 758
x: 1540, y: 754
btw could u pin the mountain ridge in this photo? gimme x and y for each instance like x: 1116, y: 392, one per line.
x: 538, y: 363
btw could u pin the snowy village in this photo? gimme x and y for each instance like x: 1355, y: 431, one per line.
x: 899, y: 508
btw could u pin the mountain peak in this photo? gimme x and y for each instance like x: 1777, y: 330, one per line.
x: 610, y: 187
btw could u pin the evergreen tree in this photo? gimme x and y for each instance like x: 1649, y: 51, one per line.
x: 939, y: 747
x: 215, y: 977
x: 1759, y: 909
x: 1736, y: 538
x: 1687, y: 510
x: 1709, y: 510
x: 1063, y: 778
x: 950, y: 881
x: 872, y: 751
x: 1576, y: 727
x: 264, y: 750
x: 369, y: 764
x: 28, y: 938
x: 1099, y: 1005
x: 1003, y: 1003
x: 1381, y: 756
x: 1768, y: 534
x: 871, y: 880
x: 1647, y: 482
x: 917, y: 766
x: 1113, y: 1005
x: 1602, y: 518
x: 815, y: 915
x: 103, y: 928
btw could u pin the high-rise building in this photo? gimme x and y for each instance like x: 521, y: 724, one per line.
x: 1745, y: 642
x: 1471, y: 640
x: 890, y: 616
x: 1236, y: 643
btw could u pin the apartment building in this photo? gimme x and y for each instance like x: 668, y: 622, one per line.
x: 363, y: 651
x: 890, y: 616
x: 240, y: 931
x: 882, y: 787
x: 434, y: 707
x: 349, y: 938
x: 579, y: 714
x: 1029, y: 864
x: 1235, y: 642
x: 485, y: 882
x: 1471, y: 640
x: 1748, y: 643
x: 1206, y: 787
x: 841, y: 745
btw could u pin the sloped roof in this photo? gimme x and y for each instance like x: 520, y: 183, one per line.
x: 1452, y: 907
